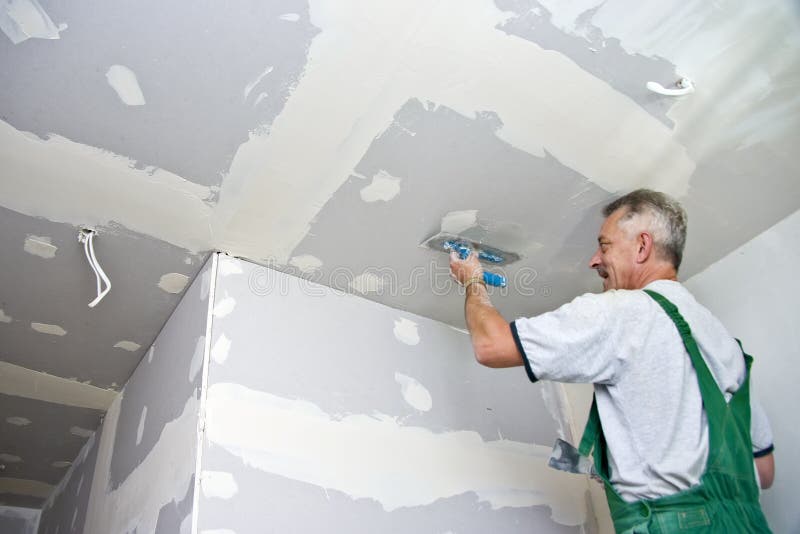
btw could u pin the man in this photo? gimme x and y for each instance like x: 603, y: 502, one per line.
x: 663, y: 390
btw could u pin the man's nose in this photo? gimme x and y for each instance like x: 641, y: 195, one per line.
x: 594, y: 263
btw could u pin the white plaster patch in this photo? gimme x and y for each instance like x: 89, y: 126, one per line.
x: 374, y: 456
x: 50, y: 329
x: 205, y: 284
x: 405, y: 330
x: 130, y: 346
x: 5, y: 318
x: 9, y: 458
x: 21, y: 20
x: 250, y: 86
x: 187, y: 260
x: 197, y: 358
x: 290, y: 17
x: 81, y: 432
x: 18, y: 421
x: 306, y: 263
x: 367, y: 283
x: 414, y: 393
x: 123, y: 81
x: 150, y: 353
x: 173, y: 282
x: 229, y: 266
x: 224, y: 307
x: 61, y: 464
x: 218, y: 484
x: 40, y: 246
x: 384, y: 187
x: 30, y: 384
x: 80, y: 485
x: 140, y: 430
x: 221, y: 349
x: 456, y: 222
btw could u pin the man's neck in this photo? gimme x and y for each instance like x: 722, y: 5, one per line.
x: 661, y: 272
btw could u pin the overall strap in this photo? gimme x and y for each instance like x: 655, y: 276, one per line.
x: 713, y: 399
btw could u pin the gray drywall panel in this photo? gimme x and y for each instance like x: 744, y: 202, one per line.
x: 53, y: 433
x: 175, y: 517
x: 166, y: 378
x: 293, y: 340
x: 15, y: 520
x: 193, y: 119
x: 65, y: 510
x: 448, y: 162
x: 57, y: 290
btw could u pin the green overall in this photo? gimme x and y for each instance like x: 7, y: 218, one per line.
x: 726, y: 499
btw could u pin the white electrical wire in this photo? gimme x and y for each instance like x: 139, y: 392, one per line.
x: 87, y: 236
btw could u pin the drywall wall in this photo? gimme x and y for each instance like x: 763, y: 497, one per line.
x: 140, y: 465
x: 328, y: 411
x: 15, y: 520
x: 753, y: 291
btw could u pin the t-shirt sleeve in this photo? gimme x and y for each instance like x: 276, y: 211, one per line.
x: 760, y: 431
x: 578, y: 342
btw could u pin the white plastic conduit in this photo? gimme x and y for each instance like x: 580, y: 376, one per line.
x: 86, y: 236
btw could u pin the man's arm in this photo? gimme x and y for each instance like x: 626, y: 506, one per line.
x: 765, y: 465
x: 491, y: 336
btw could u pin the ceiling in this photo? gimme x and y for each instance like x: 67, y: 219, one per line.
x: 329, y: 139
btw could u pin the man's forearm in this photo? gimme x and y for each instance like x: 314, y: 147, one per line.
x: 491, y: 336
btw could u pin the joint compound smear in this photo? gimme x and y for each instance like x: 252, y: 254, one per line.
x: 123, y: 81
x: 414, y: 393
x: 376, y: 457
x: 405, y: 331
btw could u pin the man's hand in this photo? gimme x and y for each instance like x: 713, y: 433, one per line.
x: 463, y: 270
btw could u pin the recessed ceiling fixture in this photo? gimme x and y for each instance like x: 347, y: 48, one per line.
x: 86, y: 236
x: 684, y: 86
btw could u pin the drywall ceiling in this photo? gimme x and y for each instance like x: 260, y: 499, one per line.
x: 328, y: 139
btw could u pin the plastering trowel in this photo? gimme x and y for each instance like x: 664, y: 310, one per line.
x: 445, y: 242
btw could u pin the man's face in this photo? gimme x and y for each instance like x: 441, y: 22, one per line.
x: 615, y: 258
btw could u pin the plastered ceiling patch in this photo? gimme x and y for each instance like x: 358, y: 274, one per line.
x: 140, y: 429
x: 383, y: 187
x: 123, y: 81
x: 405, y: 330
x: 61, y: 464
x: 81, y: 432
x: 367, y: 283
x: 306, y: 263
x: 456, y: 222
x: 375, y: 457
x: 414, y: 393
x: 151, y: 353
x: 40, y: 246
x: 21, y: 20
x: 9, y: 458
x: 173, y: 282
x: 22, y: 382
x: 219, y: 353
x: 50, y: 329
x: 290, y: 17
x: 130, y: 346
x: 218, y: 484
x: 250, y: 86
x: 18, y: 421
x: 5, y: 318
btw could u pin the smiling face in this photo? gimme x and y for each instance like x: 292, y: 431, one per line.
x: 616, y: 257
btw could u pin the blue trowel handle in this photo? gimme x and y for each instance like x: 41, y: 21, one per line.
x: 493, y: 279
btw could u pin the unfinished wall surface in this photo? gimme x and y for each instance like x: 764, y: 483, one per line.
x: 138, y: 473
x: 753, y: 291
x: 15, y: 520
x: 327, y: 411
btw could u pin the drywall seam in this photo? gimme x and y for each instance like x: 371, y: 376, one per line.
x: 201, y: 419
x: 30, y: 384
x: 377, y: 457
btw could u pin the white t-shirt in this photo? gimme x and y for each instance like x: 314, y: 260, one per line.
x: 646, y: 387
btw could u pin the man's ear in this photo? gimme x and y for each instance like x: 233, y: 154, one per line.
x: 644, y: 247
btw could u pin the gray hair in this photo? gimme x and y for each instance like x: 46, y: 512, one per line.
x: 665, y: 219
